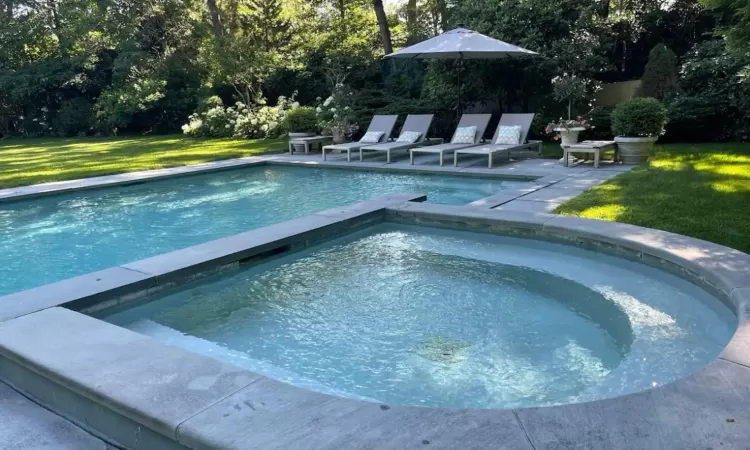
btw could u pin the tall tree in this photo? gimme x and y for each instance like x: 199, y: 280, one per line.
x: 385, y: 31
x: 738, y: 33
x: 215, y: 12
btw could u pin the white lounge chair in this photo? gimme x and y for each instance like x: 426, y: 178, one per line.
x: 415, y: 123
x: 491, y: 149
x: 379, y: 123
x: 479, y: 121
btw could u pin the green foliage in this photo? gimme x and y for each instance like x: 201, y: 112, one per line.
x: 714, y: 101
x: 239, y: 121
x: 74, y: 118
x: 639, y: 117
x: 660, y: 78
x: 600, y: 119
x: 737, y: 32
x: 302, y: 120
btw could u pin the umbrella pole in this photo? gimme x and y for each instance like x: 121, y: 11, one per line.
x: 458, y: 107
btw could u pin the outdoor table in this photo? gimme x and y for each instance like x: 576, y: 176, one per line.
x: 595, y: 147
x: 308, y: 142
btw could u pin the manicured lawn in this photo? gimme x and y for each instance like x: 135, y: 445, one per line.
x: 31, y: 161
x: 700, y: 190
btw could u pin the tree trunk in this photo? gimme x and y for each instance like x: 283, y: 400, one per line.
x: 443, y: 10
x: 411, y: 15
x: 213, y: 9
x: 385, y: 32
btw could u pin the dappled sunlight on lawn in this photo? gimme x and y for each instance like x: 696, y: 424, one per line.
x: 700, y: 190
x: 32, y: 161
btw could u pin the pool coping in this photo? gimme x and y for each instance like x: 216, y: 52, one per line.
x: 140, y: 393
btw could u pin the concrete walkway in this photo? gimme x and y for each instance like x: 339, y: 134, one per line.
x: 24, y: 425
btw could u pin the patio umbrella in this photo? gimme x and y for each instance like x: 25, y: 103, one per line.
x: 460, y: 44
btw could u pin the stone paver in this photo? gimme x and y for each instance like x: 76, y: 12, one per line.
x: 529, y: 206
x: 24, y: 425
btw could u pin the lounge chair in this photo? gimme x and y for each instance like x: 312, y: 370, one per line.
x: 479, y: 121
x: 524, y: 120
x: 415, y: 123
x: 378, y: 124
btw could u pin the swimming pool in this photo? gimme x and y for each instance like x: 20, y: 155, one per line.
x: 52, y: 238
x: 445, y: 318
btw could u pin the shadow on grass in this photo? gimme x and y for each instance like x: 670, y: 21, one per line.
x: 700, y: 194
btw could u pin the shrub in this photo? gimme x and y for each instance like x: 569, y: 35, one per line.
x: 600, y: 119
x: 639, y: 117
x: 660, y: 76
x: 696, y: 118
x: 302, y: 120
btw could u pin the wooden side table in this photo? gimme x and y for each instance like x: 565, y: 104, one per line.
x: 595, y: 147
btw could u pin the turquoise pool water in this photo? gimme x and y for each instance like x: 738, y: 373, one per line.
x: 53, y: 238
x: 420, y: 316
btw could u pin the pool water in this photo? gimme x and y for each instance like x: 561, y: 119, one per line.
x: 421, y: 316
x: 53, y: 238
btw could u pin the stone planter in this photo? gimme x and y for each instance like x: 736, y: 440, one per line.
x: 569, y: 136
x: 338, y: 136
x: 300, y: 147
x: 634, y: 150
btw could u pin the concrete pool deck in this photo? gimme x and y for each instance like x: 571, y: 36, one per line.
x: 143, y: 394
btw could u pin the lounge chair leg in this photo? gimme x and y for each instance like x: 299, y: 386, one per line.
x: 441, y: 159
x: 455, y: 160
x: 291, y: 148
x: 348, y: 155
x: 489, y: 163
x: 360, y: 155
x: 411, y: 157
x: 596, y: 159
x: 387, y: 156
x: 323, y: 149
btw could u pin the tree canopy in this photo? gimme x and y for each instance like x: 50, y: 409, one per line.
x: 73, y: 67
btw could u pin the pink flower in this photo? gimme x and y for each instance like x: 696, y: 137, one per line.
x: 556, y: 138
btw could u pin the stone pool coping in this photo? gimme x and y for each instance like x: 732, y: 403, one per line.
x: 142, y: 394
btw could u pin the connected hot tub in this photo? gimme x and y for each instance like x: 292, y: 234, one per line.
x: 445, y: 318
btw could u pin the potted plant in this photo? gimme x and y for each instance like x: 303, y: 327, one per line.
x: 301, y: 122
x: 637, y: 124
x: 336, y: 116
x: 567, y: 130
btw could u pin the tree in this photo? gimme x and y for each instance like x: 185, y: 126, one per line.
x: 385, y: 32
x: 213, y: 10
x: 660, y: 77
x: 737, y: 33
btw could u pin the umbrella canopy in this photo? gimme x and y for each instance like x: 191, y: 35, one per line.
x: 461, y: 44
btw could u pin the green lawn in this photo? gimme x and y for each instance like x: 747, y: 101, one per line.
x: 31, y: 161
x: 700, y: 190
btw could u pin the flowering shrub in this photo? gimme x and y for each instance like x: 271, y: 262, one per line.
x: 335, y: 113
x: 240, y: 120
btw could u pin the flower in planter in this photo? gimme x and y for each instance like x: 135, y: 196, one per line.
x: 577, y: 124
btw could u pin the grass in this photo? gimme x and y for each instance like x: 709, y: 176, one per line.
x: 699, y: 190
x: 31, y: 161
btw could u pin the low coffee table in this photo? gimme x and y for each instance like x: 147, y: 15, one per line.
x: 308, y: 142
x: 595, y: 147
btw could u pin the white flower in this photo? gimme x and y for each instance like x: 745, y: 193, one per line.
x: 226, y: 126
x: 295, y: 105
x: 20, y: 117
x: 328, y: 101
x: 232, y: 122
x: 35, y: 119
x: 335, y: 116
x: 264, y: 127
x: 44, y: 109
x: 319, y: 109
x: 333, y: 110
x: 346, y: 108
